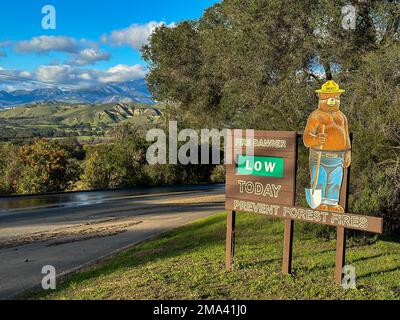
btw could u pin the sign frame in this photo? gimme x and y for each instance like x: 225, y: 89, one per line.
x: 284, y: 207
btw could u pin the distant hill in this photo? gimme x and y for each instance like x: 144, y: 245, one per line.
x: 126, y: 92
x: 73, y: 114
x: 57, y: 119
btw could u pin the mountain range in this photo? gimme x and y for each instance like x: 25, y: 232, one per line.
x: 126, y: 92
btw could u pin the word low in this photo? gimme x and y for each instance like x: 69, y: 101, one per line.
x: 257, y: 188
x: 260, y: 166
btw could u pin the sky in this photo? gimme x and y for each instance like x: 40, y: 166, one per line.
x: 94, y: 41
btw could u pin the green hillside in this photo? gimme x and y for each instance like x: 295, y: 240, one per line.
x: 61, y: 119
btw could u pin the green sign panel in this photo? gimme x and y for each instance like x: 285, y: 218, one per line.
x: 260, y: 166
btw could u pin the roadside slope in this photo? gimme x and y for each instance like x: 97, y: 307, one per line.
x: 188, y: 263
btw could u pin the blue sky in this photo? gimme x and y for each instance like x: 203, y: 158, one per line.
x: 94, y: 40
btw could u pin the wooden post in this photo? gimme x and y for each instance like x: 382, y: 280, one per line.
x: 289, y: 225
x: 288, y: 247
x: 340, y: 231
x: 230, y: 239
x: 340, y: 254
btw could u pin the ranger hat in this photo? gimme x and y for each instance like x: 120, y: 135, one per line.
x: 330, y: 87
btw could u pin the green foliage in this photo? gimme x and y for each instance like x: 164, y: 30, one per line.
x: 123, y: 163
x: 118, y: 164
x: 164, y: 174
x: 374, y: 115
x: 256, y: 63
x: 218, y: 174
x: 8, y: 169
x: 40, y: 167
x: 67, y: 165
x: 103, y: 168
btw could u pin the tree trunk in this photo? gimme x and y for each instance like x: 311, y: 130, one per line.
x: 328, y: 71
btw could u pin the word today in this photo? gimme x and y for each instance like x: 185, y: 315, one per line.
x: 258, y: 189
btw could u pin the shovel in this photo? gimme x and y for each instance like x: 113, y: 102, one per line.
x: 314, y: 195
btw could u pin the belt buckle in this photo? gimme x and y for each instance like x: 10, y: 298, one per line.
x: 330, y: 155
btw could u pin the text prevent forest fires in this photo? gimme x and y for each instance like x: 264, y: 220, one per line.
x: 321, y: 217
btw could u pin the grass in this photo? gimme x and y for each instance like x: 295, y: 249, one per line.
x: 188, y: 263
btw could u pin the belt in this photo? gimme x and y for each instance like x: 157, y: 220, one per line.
x: 331, y: 155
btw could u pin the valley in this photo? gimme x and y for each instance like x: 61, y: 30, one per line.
x: 84, y: 121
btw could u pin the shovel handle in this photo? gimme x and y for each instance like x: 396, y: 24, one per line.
x: 314, y: 186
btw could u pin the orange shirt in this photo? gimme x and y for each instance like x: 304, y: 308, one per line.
x: 336, y: 130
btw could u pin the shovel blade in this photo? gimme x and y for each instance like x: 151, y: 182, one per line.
x: 314, y: 198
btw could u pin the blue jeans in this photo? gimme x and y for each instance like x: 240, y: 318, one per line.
x: 330, y: 177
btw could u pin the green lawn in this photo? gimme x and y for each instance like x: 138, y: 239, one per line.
x: 188, y: 263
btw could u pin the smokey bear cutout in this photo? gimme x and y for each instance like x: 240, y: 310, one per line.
x: 327, y: 136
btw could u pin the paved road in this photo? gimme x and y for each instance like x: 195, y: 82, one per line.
x: 67, y: 234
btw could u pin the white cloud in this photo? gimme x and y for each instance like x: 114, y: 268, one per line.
x: 67, y: 75
x: 81, y: 52
x: 86, y: 76
x: 123, y: 72
x: 89, y: 56
x: 25, y: 74
x: 135, y: 36
x: 46, y: 44
x: 54, y: 73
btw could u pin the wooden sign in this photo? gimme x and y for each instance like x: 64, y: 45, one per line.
x: 263, y: 170
x: 262, y: 179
